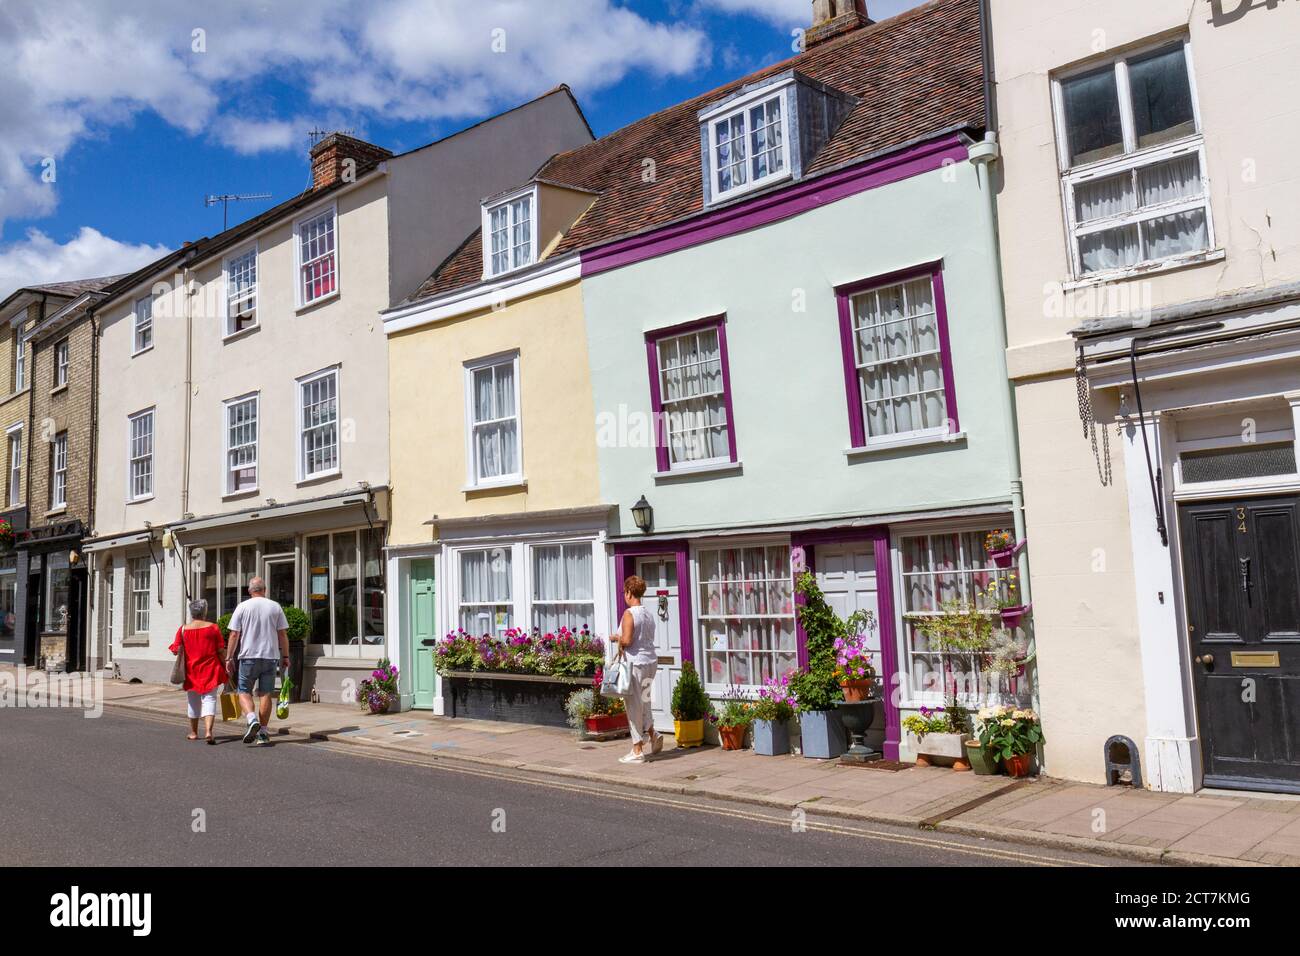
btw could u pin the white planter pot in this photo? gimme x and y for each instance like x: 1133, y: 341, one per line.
x: 940, y: 745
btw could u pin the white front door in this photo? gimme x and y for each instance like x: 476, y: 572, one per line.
x: 660, y: 575
x: 846, y: 574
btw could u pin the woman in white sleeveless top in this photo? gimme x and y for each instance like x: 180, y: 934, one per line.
x: 637, y: 639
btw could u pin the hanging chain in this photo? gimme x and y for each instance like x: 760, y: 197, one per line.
x: 1089, y: 420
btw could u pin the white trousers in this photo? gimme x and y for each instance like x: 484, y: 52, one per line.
x: 640, y: 716
x: 203, y: 705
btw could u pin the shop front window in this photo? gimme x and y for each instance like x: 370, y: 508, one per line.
x: 746, y: 614
x: 222, y: 578
x: 8, y: 597
x: 345, y: 594
x: 562, y: 587
x: 486, y: 590
x: 56, y: 595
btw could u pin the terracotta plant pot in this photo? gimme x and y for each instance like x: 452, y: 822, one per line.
x: 856, y: 691
x: 733, y: 738
x: 689, y: 733
x: 1018, y: 766
x: 604, y: 723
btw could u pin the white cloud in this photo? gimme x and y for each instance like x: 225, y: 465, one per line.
x: 798, y: 13
x: 88, y: 255
x: 73, y: 67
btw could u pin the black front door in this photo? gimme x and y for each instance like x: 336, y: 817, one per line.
x: 1241, y: 563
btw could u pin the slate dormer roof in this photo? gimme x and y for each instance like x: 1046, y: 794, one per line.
x: 914, y: 76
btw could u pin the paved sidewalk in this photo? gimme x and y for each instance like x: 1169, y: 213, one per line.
x: 1138, y: 825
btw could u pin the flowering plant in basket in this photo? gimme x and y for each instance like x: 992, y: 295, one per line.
x: 379, y: 690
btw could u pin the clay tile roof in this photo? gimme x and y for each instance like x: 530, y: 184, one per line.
x: 915, y: 75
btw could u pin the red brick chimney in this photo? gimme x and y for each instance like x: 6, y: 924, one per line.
x: 339, y: 156
x: 832, y: 18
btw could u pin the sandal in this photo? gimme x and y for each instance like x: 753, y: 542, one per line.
x: 210, y: 740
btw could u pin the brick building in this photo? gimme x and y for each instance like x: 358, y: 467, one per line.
x: 48, y: 366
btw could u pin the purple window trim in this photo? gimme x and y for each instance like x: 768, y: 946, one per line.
x: 844, y: 295
x: 623, y: 563
x: 879, y: 536
x: 652, y: 340
x: 781, y: 203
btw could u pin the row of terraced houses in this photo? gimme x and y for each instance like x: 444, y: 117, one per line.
x: 1029, y: 265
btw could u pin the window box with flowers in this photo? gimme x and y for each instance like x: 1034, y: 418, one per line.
x: 519, y: 677
x: 6, y: 535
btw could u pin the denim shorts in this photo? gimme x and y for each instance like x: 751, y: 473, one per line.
x: 259, y: 670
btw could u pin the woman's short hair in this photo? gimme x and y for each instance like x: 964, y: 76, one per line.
x: 634, y: 585
x: 199, y: 609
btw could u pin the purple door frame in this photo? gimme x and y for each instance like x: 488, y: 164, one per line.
x: 879, y: 536
x: 624, y: 555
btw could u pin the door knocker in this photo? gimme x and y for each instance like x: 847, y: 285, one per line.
x: 663, y: 605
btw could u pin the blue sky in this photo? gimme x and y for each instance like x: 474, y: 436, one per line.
x: 121, y: 115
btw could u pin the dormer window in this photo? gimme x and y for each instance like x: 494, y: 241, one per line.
x: 509, y: 232
x: 765, y: 134
x: 748, y: 146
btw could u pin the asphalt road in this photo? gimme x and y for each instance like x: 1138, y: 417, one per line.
x: 131, y: 790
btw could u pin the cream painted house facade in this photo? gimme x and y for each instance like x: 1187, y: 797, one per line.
x: 497, y: 520
x: 244, y: 422
x: 1151, y: 256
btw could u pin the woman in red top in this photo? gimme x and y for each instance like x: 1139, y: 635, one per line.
x: 205, y: 668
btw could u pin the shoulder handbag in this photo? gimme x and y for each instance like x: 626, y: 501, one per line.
x: 178, y: 667
x: 616, y: 680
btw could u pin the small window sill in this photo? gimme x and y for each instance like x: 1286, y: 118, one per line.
x: 915, y: 441
x: 54, y: 512
x: 320, y: 476
x: 1145, y: 270
x: 141, y: 641
x: 242, y: 333
x: 241, y: 493
x: 147, y: 348
x: 58, y: 389
x: 753, y: 186
x: 136, y: 501
x: 519, y: 482
x: 315, y: 303
x: 714, y: 469
x: 504, y: 273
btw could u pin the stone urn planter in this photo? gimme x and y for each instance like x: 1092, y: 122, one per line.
x: 858, y: 716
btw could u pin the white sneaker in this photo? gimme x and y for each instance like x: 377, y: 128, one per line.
x: 658, y: 745
x: 632, y: 757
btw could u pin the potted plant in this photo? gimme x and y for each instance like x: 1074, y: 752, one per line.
x: 1003, y: 593
x: 1013, y: 735
x: 378, y: 692
x: 853, y: 666
x: 817, y: 688
x: 690, y: 706
x: 772, y: 712
x: 592, y: 711
x: 1001, y: 547
x: 732, y: 717
x: 940, y: 735
x: 982, y: 760
x: 299, y: 631
x: 6, y: 534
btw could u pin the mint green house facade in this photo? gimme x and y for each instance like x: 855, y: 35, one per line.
x: 806, y: 368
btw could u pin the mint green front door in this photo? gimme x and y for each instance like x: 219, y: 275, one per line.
x: 423, y: 633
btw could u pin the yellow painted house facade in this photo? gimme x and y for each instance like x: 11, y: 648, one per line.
x: 497, y: 521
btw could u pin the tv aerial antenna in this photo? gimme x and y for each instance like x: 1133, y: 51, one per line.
x: 227, y: 198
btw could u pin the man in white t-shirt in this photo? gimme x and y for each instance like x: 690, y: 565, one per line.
x: 258, y: 630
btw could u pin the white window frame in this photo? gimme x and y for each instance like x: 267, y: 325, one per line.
x: 228, y: 331
x: 59, y: 472
x: 521, y: 576
x: 472, y: 479
x: 598, y: 558
x: 691, y: 464
x: 227, y: 407
x: 14, y: 493
x: 300, y: 386
x: 1132, y: 158
x: 742, y: 105
x: 141, y: 327
x: 62, y: 361
x: 697, y: 605
x: 140, y: 596
x: 108, y: 576
x: 302, y: 301
x: 909, y: 697
x: 132, y: 457
x: 510, y: 201
x: 20, y: 361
